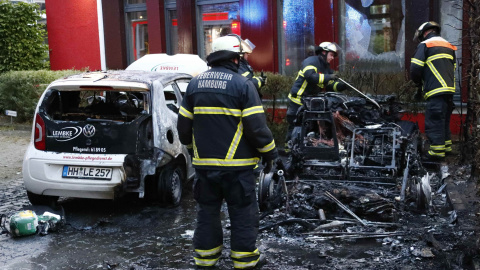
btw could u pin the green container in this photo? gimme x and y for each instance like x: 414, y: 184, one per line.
x: 23, y: 223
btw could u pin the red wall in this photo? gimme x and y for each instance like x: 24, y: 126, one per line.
x: 326, y: 23
x: 187, y: 27
x: 156, y: 26
x: 258, y: 20
x: 114, y: 33
x: 73, y: 34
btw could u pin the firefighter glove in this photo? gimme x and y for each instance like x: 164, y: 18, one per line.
x: 341, y: 87
x: 267, y: 165
x: 262, y: 80
x: 330, y: 77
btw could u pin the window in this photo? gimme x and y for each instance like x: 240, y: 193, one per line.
x: 216, y: 20
x: 297, y: 34
x: 133, y: 2
x: 136, y: 29
x: 373, y: 37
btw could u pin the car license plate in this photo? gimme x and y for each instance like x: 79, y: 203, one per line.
x: 87, y: 172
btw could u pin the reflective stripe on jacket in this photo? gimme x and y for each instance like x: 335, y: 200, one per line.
x: 311, y: 80
x: 222, y: 115
x: 433, y: 65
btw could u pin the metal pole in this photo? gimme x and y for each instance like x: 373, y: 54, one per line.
x: 358, y: 91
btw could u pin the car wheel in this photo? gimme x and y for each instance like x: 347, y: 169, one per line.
x: 170, y: 185
x: 37, y: 199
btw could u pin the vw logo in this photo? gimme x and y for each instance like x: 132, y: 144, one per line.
x: 89, y: 130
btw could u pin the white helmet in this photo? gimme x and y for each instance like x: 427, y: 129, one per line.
x: 328, y: 46
x: 226, y: 43
x: 233, y: 43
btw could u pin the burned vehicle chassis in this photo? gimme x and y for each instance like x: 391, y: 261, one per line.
x: 342, y: 138
x: 337, y: 137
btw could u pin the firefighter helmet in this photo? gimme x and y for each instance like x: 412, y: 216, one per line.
x: 328, y: 47
x: 234, y: 43
x: 423, y: 28
x: 227, y: 43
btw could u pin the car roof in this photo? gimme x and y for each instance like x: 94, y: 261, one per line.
x: 121, y: 79
x: 161, y: 62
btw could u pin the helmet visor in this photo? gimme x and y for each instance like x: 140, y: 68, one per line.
x: 247, y: 46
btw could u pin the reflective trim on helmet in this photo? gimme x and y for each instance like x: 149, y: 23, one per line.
x: 235, y: 142
x: 185, y: 113
x: 245, y: 74
x: 267, y: 148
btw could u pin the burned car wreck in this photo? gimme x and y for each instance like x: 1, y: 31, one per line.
x: 355, y: 174
x: 103, y: 134
x: 346, y: 138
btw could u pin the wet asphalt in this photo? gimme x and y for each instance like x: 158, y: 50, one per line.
x: 132, y: 234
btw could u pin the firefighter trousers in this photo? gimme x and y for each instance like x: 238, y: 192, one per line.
x: 437, y: 124
x: 211, y: 187
x: 291, y: 116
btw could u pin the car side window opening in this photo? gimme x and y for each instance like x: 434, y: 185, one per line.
x: 174, y: 93
x: 171, y: 98
x: 82, y: 105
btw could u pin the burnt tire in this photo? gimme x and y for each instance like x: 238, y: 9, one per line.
x: 170, y: 185
x: 37, y: 199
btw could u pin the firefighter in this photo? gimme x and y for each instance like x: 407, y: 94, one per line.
x: 244, y: 68
x: 222, y: 118
x: 315, y: 76
x: 432, y: 68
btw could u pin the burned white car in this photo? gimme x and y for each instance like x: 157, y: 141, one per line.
x: 103, y: 134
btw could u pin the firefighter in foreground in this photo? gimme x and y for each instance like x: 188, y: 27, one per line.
x: 222, y: 118
x: 315, y: 76
x: 433, y: 69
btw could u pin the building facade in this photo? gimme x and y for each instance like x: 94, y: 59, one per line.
x: 374, y: 35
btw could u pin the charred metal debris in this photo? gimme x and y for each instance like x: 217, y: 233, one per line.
x: 354, y: 170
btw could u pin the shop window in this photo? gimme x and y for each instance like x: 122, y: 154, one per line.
x: 172, y: 32
x: 137, y: 35
x: 373, y: 38
x: 298, y: 34
x: 134, y: 2
x: 217, y: 20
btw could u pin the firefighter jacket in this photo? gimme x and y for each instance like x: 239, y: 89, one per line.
x: 433, y: 66
x: 222, y: 117
x: 246, y: 70
x: 311, y: 81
